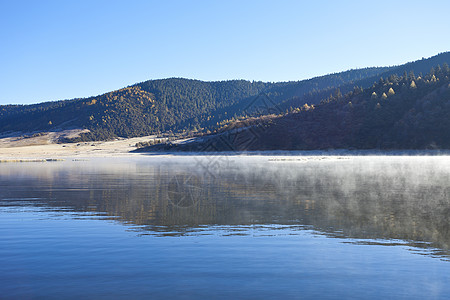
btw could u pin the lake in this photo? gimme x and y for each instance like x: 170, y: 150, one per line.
x: 226, y: 227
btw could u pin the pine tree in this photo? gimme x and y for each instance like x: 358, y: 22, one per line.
x: 445, y: 68
x: 338, y: 94
x: 432, y: 71
x: 405, y: 76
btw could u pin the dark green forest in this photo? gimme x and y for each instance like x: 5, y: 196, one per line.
x: 185, y: 106
x: 160, y: 106
x: 398, y: 112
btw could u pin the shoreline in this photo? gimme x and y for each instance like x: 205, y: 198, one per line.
x: 125, y: 148
x: 335, y: 152
x: 116, y: 148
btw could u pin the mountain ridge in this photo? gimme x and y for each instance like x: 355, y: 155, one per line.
x: 405, y: 112
x: 179, y: 105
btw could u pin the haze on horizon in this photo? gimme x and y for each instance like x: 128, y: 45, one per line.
x: 53, y: 50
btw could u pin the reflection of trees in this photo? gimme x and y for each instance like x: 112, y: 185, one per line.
x: 359, y: 199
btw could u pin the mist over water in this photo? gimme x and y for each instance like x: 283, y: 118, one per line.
x: 356, y: 202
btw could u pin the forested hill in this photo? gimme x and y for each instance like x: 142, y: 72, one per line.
x: 178, y: 104
x: 154, y: 106
x: 142, y: 109
x: 399, y: 112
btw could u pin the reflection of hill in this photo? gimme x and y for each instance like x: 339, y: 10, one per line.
x: 374, y: 198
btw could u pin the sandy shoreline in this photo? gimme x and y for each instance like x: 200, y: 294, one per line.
x: 115, y: 148
x: 123, y: 147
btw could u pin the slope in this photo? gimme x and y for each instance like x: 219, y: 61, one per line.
x: 403, y: 112
x: 180, y: 105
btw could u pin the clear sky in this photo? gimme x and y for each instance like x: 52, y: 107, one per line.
x: 53, y: 50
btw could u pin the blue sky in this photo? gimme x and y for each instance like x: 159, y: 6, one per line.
x: 53, y: 50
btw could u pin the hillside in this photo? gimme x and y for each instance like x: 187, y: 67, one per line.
x: 182, y: 105
x: 157, y: 106
x: 137, y: 110
x: 399, y: 112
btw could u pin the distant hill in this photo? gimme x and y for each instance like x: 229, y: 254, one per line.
x: 155, y: 106
x: 398, y: 112
x: 184, y: 105
x: 142, y: 109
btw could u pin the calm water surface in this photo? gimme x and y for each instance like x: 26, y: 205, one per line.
x: 226, y: 227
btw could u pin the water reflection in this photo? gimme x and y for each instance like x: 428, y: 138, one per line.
x: 390, y: 200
